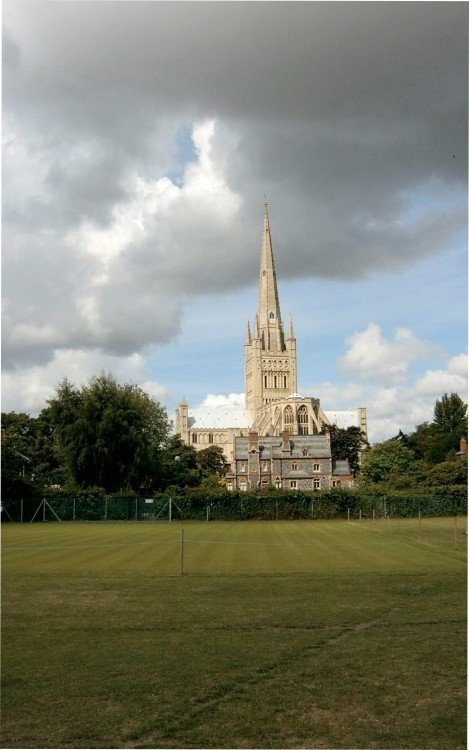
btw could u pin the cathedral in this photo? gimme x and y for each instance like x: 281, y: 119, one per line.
x: 279, y: 437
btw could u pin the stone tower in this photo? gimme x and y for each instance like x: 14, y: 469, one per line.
x: 269, y: 357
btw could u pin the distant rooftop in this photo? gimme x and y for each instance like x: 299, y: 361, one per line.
x: 219, y: 417
x: 344, y: 419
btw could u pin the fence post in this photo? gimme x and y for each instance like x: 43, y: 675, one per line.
x: 182, y: 552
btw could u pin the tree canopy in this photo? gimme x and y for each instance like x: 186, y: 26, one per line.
x: 211, y: 461
x: 438, y: 440
x: 111, y: 436
x: 386, y: 462
x: 347, y: 444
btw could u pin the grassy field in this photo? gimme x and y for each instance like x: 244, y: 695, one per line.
x: 309, y: 634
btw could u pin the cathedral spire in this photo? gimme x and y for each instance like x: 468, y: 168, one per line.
x: 269, y: 358
x: 270, y: 320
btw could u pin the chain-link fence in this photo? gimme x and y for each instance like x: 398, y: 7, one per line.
x: 225, y: 506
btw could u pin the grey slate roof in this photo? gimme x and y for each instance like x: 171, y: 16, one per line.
x: 296, y: 474
x: 318, y: 446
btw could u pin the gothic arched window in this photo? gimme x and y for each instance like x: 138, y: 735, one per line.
x: 303, y: 420
x: 288, y: 418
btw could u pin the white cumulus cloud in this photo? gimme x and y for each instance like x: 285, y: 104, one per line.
x: 235, y: 400
x: 370, y: 355
x: 394, y: 397
x: 29, y: 390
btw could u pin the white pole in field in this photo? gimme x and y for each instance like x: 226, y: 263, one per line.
x: 74, y: 509
x: 207, y: 512
x: 360, y: 515
x: 182, y: 552
x: 44, y: 510
x: 374, y: 516
x: 348, y: 515
x: 170, y: 511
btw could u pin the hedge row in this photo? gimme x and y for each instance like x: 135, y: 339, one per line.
x: 94, y: 505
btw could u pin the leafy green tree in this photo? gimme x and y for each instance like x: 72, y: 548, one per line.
x: 419, y: 441
x: 447, y: 472
x: 18, y: 437
x: 111, y: 436
x: 439, y: 440
x: 346, y: 444
x: 211, y: 461
x: 386, y: 463
x: 450, y: 415
x: 449, y: 425
x: 28, y: 456
x: 179, y: 467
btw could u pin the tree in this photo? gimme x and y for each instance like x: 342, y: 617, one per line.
x: 449, y: 425
x: 211, y: 461
x: 179, y: 464
x: 386, y: 463
x: 346, y: 444
x: 49, y: 462
x: 111, y: 436
x: 448, y: 472
x: 419, y: 441
x: 450, y: 415
x: 28, y: 455
x: 18, y: 436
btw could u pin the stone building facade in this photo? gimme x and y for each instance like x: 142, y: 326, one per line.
x: 301, y: 462
x: 286, y: 462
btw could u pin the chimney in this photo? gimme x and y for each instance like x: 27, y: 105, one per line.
x: 462, y: 453
x: 253, y: 441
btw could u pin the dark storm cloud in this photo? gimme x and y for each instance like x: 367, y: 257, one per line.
x: 351, y: 116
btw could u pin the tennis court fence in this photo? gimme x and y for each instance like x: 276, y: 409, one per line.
x: 233, y: 506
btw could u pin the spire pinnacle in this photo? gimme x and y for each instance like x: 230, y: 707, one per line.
x: 257, y: 334
x: 248, y: 338
x: 270, y: 320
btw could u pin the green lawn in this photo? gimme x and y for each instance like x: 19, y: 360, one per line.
x: 279, y: 634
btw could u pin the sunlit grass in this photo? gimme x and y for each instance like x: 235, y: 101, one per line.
x: 282, y: 634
